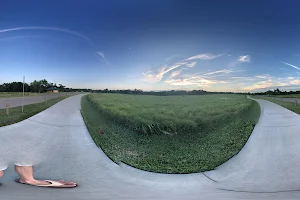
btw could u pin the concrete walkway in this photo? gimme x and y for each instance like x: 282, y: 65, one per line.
x: 60, y: 146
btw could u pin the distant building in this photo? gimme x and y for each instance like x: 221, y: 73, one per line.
x: 53, y: 90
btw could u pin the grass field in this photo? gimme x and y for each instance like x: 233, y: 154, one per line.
x: 15, y: 114
x: 172, y: 134
x: 18, y: 94
x: 288, y: 105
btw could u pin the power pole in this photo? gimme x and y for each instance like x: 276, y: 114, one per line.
x: 23, y: 95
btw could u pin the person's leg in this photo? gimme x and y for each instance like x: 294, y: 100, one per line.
x: 1, y: 173
x: 26, y: 176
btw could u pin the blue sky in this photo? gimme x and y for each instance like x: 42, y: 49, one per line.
x: 152, y: 45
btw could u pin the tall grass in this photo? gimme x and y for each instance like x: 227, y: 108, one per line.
x: 226, y: 122
x: 170, y: 115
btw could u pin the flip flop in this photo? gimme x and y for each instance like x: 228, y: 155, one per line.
x: 53, y: 184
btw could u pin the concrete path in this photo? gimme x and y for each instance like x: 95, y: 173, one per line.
x: 60, y: 146
x: 17, y: 101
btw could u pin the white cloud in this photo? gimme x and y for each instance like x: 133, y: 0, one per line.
x: 174, y: 74
x: 244, y: 59
x: 47, y: 28
x: 264, y: 76
x: 192, y: 64
x: 194, y: 80
x: 295, y: 82
x: 272, y: 82
x: 154, y: 77
x: 205, y: 56
x: 291, y: 65
x: 226, y: 71
x: 103, y: 57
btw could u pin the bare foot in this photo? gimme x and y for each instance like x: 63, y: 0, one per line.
x: 38, y: 182
x: 34, y: 182
x: 67, y: 182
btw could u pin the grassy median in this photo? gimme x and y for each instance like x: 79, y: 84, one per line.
x: 173, y: 134
x: 18, y: 94
x: 292, y: 106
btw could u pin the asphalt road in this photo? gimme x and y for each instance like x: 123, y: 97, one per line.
x: 281, y: 99
x: 17, y: 101
x: 288, y: 99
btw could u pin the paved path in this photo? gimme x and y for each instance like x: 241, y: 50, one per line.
x: 64, y: 149
x: 17, y: 101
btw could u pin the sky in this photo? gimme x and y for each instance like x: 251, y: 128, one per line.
x: 232, y: 46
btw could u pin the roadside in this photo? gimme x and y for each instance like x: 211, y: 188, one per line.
x: 292, y: 104
x: 18, y: 94
x: 17, y: 101
x: 15, y: 114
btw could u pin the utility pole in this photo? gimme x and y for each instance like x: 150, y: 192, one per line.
x: 23, y: 95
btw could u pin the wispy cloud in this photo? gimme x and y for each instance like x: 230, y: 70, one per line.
x: 169, y: 58
x: 193, y: 80
x: 154, y: 77
x: 21, y: 37
x: 270, y: 82
x: 224, y: 71
x: 174, y: 74
x: 245, y: 59
x: 264, y: 76
x: 291, y: 65
x: 103, y: 57
x: 46, y: 28
x: 56, y: 29
x: 204, y: 56
x: 190, y: 65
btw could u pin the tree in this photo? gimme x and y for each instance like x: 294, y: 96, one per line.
x: 277, y: 91
x: 35, y: 85
x: 43, y: 85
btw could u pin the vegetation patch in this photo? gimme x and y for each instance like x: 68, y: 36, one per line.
x: 170, y: 134
x: 292, y: 106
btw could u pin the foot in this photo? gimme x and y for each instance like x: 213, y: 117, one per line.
x: 38, y: 182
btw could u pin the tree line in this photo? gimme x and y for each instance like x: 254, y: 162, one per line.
x: 42, y: 86
x: 35, y: 86
x: 276, y: 92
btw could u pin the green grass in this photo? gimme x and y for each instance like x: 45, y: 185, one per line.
x: 18, y: 94
x: 16, y: 115
x: 203, y: 131
x: 288, y: 105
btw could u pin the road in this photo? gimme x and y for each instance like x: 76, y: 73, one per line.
x: 282, y: 99
x: 17, y: 101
